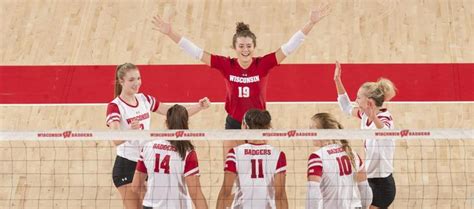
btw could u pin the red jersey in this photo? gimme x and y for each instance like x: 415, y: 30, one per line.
x: 245, y: 88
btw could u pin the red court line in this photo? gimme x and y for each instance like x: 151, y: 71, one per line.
x: 188, y: 83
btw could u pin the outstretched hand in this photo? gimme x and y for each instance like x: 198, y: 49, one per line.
x: 319, y: 13
x: 160, y: 25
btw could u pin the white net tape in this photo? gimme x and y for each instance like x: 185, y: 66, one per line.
x: 290, y: 134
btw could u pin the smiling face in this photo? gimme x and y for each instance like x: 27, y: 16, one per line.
x: 362, y: 98
x: 244, y: 48
x: 131, y: 82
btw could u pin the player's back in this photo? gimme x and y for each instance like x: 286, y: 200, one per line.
x: 255, y: 166
x: 338, y: 182
x: 166, y: 171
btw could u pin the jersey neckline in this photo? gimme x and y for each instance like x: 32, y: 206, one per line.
x: 129, y: 104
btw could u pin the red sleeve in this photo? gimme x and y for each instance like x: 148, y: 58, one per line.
x: 113, y: 113
x: 220, y: 63
x: 281, y: 164
x: 267, y: 62
x: 140, y: 164
x: 154, y: 104
x: 191, y: 165
x: 231, y: 162
x: 315, y: 165
x: 387, y: 120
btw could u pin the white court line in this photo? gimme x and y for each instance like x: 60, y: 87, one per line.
x: 220, y: 103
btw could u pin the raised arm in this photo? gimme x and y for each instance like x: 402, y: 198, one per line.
x: 201, y: 105
x: 342, y: 97
x: 192, y: 109
x: 185, y: 44
x: 297, y: 39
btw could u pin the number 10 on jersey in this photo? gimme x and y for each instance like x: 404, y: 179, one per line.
x: 244, y: 92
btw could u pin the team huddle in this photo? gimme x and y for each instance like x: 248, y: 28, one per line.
x: 165, y: 174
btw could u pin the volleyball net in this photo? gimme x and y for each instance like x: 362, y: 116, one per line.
x: 73, y: 168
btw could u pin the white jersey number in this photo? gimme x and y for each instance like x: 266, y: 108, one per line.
x: 244, y: 92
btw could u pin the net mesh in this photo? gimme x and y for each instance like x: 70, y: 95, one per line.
x: 76, y: 173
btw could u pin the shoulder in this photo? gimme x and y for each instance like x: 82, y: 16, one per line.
x: 113, y: 106
x: 316, y: 154
x: 384, y: 113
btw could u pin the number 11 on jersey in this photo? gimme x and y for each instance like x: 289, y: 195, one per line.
x: 244, y: 92
x: 257, y: 167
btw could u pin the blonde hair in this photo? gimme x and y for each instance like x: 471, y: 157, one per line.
x: 380, y: 91
x: 120, y: 72
x: 327, y: 121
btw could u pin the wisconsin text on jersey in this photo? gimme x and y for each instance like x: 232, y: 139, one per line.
x: 238, y: 79
x: 139, y: 117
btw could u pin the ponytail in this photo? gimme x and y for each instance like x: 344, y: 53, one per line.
x: 387, y: 87
x: 348, y: 149
x: 380, y: 91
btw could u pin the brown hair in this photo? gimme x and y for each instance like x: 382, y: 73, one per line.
x: 243, y: 30
x: 380, y: 91
x: 177, y: 118
x: 327, y: 121
x: 257, y: 119
x: 120, y: 72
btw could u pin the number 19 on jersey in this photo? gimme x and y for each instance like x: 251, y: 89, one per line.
x: 244, y: 92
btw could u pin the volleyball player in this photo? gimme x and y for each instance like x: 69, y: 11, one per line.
x: 258, y: 169
x: 172, y: 170
x: 245, y: 75
x: 379, y: 153
x: 334, y: 171
x: 131, y: 110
